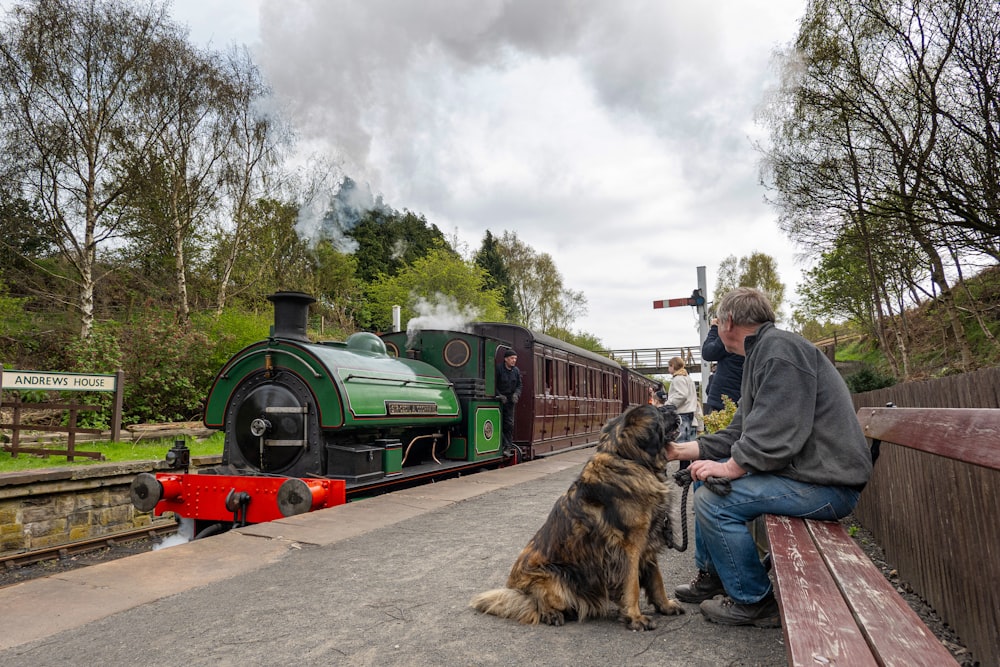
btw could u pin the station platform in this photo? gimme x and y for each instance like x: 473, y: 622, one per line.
x: 380, y: 581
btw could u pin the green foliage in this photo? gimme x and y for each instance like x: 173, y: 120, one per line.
x: 230, y: 331
x: 759, y: 270
x: 100, y: 353
x: 168, y: 368
x: 837, y: 287
x: 33, y: 396
x: 860, y: 349
x: 337, y: 287
x: 440, y: 284
x: 12, y: 315
x: 491, y: 261
x: 272, y: 256
x: 170, y: 372
x: 815, y: 330
x: 582, y: 339
x: 720, y: 419
x: 21, y: 230
x: 868, y: 379
x: 388, y: 241
x: 543, y: 302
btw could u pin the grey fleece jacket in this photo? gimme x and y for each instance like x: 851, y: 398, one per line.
x: 795, y: 417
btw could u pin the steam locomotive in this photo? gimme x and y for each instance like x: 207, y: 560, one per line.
x: 311, y: 425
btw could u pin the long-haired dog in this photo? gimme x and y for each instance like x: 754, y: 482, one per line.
x: 599, y: 544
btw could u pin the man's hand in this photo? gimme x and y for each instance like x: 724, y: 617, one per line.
x: 502, y: 399
x: 515, y: 398
x: 702, y: 470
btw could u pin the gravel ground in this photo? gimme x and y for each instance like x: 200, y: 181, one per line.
x: 863, y: 537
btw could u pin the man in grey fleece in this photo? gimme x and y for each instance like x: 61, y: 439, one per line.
x: 794, y: 448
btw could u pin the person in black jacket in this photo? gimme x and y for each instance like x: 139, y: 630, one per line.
x: 728, y: 370
x: 508, y: 393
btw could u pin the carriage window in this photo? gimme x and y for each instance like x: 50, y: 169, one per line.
x: 573, y: 390
x: 549, y: 389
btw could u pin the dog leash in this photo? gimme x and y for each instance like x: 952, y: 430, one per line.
x: 717, y: 485
x: 720, y: 486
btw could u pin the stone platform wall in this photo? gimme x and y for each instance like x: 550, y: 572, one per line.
x: 55, y: 506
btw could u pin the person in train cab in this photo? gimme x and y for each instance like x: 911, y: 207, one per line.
x: 794, y: 448
x: 727, y: 371
x: 684, y: 397
x: 508, y: 392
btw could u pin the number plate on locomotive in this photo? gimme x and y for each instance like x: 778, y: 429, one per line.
x: 395, y: 408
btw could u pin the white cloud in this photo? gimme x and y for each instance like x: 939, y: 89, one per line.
x: 616, y: 136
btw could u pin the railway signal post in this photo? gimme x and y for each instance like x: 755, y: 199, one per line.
x: 696, y: 300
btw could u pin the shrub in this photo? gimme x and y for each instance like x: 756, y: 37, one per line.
x: 230, y: 332
x: 868, y: 379
x: 168, y: 369
x: 100, y: 353
x: 720, y: 419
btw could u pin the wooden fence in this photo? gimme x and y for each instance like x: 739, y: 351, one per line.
x: 937, y: 518
x: 978, y: 389
x: 70, y: 429
x: 50, y: 382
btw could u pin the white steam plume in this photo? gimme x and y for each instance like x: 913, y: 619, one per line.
x: 439, y: 312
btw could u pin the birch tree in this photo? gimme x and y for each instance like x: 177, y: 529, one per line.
x: 69, y: 74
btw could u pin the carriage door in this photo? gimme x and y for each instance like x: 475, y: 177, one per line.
x: 545, y: 401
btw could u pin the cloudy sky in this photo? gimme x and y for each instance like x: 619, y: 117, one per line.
x: 615, y: 136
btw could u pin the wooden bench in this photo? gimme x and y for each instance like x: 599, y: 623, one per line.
x: 836, y: 606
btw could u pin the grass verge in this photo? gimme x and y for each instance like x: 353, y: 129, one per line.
x: 144, y: 450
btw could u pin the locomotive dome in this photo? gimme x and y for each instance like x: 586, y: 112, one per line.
x: 366, y: 342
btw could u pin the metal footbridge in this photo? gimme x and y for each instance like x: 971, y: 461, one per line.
x: 653, y: 361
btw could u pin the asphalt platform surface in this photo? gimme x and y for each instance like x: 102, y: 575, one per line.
x: 381, y: 581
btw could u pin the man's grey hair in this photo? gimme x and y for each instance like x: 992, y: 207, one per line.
x: 747, y: 306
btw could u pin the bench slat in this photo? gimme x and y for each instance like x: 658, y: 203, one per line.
x: 965, y: 434
x: 818, y: 625
x: 894, y: 631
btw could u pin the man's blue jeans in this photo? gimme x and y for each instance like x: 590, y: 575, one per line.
x: 723, y: 543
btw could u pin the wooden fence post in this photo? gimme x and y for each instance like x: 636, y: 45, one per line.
x: 116, y: 418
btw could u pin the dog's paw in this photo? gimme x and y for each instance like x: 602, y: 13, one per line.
x: 639, y: 624
x: 671, y: 608
x: 552, y: 617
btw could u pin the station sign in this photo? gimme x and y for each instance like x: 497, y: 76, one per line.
x: 47, y: 381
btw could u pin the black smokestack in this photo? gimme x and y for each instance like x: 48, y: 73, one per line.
x: 291, y: 313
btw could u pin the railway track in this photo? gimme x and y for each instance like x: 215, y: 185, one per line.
x: 65, y: 551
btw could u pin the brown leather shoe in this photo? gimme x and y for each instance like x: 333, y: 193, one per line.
x: 705, y: 586
x: 724, y: 610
